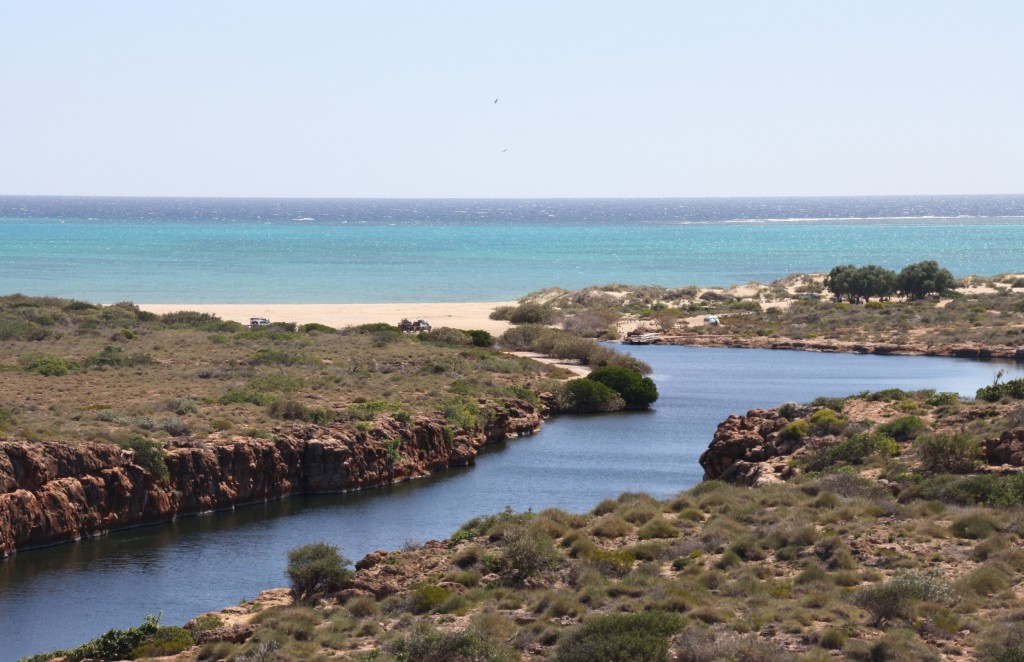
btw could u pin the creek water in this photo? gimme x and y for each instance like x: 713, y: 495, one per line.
x: 66, y: 595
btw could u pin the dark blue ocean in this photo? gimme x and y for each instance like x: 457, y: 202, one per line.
x: 205, y: 250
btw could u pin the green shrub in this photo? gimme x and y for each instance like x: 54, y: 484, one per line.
x: 835, y: 404
x: 852, y: 451
x: 314, y: 327
x: 366, y: 411
x: 176, y: 427
x: 943, y: 399
x: 948, y: 452
x: 315, y: 570
x: 532, y: 313
x: 462, y: 412
x: 251, y: 396
x: 148, y: 454
x: 428, y: 598
x: 973, y: 526
x: 795, y: 431
x: 426, y: 644
x: 583, y: 396
x: 48, y: 365
x: 115, y: 357
x: 182, y: 406
x: 905, y: 428
x: 165, y: 641
x: 658, y: 527
x: 1013, y: 389
x: 291, y: 410
x: 618, y: 637
x: 285, y: 357
x: 611, y: 526
x: 112, y: 645
x: 826, y: 421
x: 637, y: 391
x: 480, y: 338
x: 277, y: 381
x: 529, y: 551
x: 897, y: 597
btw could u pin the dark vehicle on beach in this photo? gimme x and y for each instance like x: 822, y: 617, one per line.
x: 414, y: 327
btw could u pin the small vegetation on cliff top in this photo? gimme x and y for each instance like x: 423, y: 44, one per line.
x: 78, y: 371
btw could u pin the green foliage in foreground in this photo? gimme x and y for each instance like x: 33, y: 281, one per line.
x: 315, y: 570
x: 146, y: 640
x: 615, y: 637
x: 426, y: 644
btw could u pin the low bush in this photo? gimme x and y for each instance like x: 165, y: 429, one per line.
x: 584, y: 396
x: 905, y: 428
x: 285, y: 357
x: 827, y: 421
x: 529, y: 551
x: 426, y: 644
x: 147, y: 454
x: 1012, y: 389
x: 617, y: 637
x: 898, y: 597
x: 249, y: 395
x: 115, y: 357
x: 973, y: 526
x: 48, y: 365
x: 315, y: 570
x: 948, y: 452
x: 852, y: 451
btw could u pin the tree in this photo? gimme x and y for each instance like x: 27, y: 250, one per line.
x: 637, y: 391
x: 315, y: 570
x: 839, y: 281
x: 919, y: 280
x: 856, y: 283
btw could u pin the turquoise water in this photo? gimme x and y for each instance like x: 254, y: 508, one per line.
x: 361, y: 251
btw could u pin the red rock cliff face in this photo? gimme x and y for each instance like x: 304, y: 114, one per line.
x: 52, y: 492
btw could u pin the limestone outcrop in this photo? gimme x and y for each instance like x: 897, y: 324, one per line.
x: 742, y: 446
x: 53, y: 492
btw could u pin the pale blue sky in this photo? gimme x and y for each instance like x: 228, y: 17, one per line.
x: 595, y: 98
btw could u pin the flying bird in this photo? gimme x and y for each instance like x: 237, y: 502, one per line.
x: 495, y: 100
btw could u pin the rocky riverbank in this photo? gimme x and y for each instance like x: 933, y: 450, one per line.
x: 950, y: 350
x: 53, y: 492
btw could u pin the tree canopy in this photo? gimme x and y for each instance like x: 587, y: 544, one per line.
x: 637, y: 391
x: 856, y: 283
x: 919, y: 280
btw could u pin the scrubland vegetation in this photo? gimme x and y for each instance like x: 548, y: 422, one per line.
x: 921, y: 304
x: 76, y: 371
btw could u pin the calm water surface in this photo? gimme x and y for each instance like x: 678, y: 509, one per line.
x: 63, y: 596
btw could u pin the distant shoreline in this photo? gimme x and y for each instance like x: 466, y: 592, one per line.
x: 458, y: 315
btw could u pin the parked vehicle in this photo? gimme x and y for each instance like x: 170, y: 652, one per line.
x: 414, y: 327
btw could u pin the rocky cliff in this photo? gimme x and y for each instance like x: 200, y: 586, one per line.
x: 743, y: 445
x: 51, y: 492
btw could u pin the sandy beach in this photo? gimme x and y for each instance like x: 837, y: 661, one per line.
x: 339, y: 315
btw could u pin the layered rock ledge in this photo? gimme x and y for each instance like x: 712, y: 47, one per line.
x: 53, y: 492
x: 954, y: 350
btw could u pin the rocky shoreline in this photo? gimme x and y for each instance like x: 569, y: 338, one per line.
x: 53, y: 492
x: 957, y: 350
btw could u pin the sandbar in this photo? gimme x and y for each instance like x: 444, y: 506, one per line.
x: 340, y: 315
